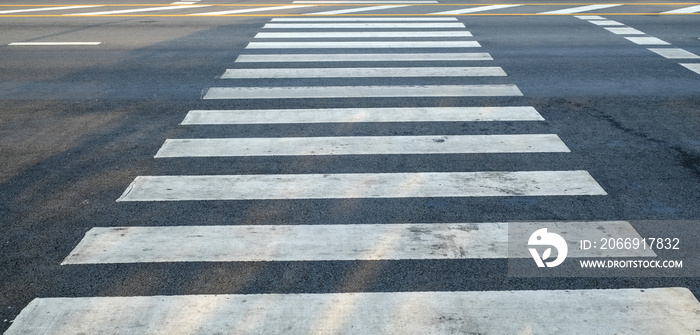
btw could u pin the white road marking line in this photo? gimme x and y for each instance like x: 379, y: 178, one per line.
x: 367, y: 34
x: 44, y: 8
x: 474, y: 9
x: 343, y: 115
x: 393, y: 57
x: 360, y: 145
x: 361, y: 185
x: 183, y: 3
x: 331, y: 242
x: 686, y: 10
x: 372, y: 25
x: 362, y: 19
x: 674, y: 53
x: 364, y: 72
x: 250, y: 10
x: 302, y: 92
x: 55, y: 43
x: 356, y: 10
x: 363, y: 45
x: 624, y: 31
x: 140, y: 10
x: 695, y: 67
x: 580, y: 9
x: 606, y: 23
x: 590, y: 17
x: 647, y: 41
x: 646, y: 311
x: 372, y: 2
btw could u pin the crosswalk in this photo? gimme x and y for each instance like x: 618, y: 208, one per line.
x: 661, y: 310
x: 332, y: 8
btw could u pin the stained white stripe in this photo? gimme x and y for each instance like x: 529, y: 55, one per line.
x: 364, y: 25
x: 393, y: 57
x: 55, y: 43
x: 695, y: 67
x: 363, y: 45
x: 360, y: 91
x: 367, y: 34
x: 361, y: 185
x: 140, y: 10
x: 250, y: 10
x: 686, y: 10
x: 580, y: 9
x: 362, y: 19
x: 361, y: 145
x: 364, y: 72
x: 330, y: 242
x: 356, y: 10
x: 44, y: 9
x: 674, y: 53
x: 625, y: 311
x: 624, y: 31
x: 475, y: 9
x: 342, y: 115
x: 647, y: 41
x: 606, y: 23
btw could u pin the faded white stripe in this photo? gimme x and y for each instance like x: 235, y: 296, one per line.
x: 363, y: 45
x: 361, y: 145
x: 251, y: 10
x: 606, y: 23
x: 392, y: 57
x: 475, y: 9
x: 361, y: 185
x: 580, y: 9
x: 331, y: 242
x: 372, y: 2
x: 356, y: 10
x: 366, y: 72
x: 646, y: 311
x: 296, y: 92
x: 367, y: 34
x: 342, y: 115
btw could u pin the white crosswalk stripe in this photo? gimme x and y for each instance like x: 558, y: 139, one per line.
x: 363, y: 57
x: 361, y: 185
x: 307, y: 92
x: 646, y: 311
x: 358, y: 72
x: 367, y: 34
x: 363, y: 19
x: 353, y: 115
x: 361, y: 145
x: 330, y: 242
x: 684, y: 10
x: 364, y: 45
x: 364, y: 25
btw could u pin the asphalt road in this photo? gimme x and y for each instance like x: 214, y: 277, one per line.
x: 79, y: 123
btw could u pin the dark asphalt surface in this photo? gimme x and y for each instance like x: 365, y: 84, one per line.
x: 77, y: 124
